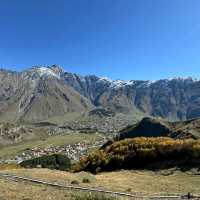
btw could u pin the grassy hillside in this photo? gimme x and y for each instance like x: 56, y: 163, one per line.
x: 10, y: 190
x: 142, y: 153
x: 136, y: 182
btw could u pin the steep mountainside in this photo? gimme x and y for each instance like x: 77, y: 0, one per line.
x: 174, y: 99
x: 37, y: 94
x: 43, y: 92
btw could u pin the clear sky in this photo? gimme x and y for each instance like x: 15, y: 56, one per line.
x: 120, y: 39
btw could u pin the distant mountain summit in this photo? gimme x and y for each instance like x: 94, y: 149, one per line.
x: 37, y: 94
x: 43, y: 92
x: 57, y: 69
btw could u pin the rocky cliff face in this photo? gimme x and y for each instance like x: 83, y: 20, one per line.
x: 174, y: 99
x: 42, y: 92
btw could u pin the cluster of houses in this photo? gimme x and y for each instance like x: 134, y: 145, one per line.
x: 107, y: 125
x: 72, y: 151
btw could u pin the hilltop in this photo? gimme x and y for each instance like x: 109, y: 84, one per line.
x: 154, y: 127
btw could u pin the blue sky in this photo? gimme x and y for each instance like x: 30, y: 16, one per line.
x: 120, y: 39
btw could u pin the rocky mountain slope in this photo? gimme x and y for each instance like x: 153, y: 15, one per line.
x: 37, y: 94
x: 173, y: 99
x: 42, y: 92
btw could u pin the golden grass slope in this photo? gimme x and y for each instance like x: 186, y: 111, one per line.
x: 140, y: 182
x: 142, y: 152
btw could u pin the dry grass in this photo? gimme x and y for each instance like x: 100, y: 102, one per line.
x: 52, y: 175
x: 148, y: 182
x: 140, y: 182
x: 10, y: 190
x: 9, y: 166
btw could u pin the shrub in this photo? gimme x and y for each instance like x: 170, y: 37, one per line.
x: 86, y: 180
x: 129, y: 190
x: 74, y: 182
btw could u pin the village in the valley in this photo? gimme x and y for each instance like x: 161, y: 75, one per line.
x: 72, y: 151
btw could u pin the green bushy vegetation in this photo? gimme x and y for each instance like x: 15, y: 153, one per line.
x: 85, y: 180
x: 55, y: 161
x: 141, y: 152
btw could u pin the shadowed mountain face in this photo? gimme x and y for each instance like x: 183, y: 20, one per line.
x: 150, y: 127
x: 42, y: 92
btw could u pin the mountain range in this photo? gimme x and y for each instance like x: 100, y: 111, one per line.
x: 42, y: 93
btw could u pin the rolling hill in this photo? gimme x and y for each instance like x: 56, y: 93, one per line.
x: 153, y: 127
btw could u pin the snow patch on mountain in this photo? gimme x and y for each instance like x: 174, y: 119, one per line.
x: 58, y: 72
x: 121, y: 83
x: 44, y: 71
x: 105, y: 79
x: 183, y: 79
x: 116, y: 83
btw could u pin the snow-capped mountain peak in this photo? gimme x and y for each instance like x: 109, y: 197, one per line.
x: 42, y: 71
x: 46, y: 71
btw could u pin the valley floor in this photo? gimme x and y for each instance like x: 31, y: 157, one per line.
x: 141, y: 182
x: 72, y: 145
